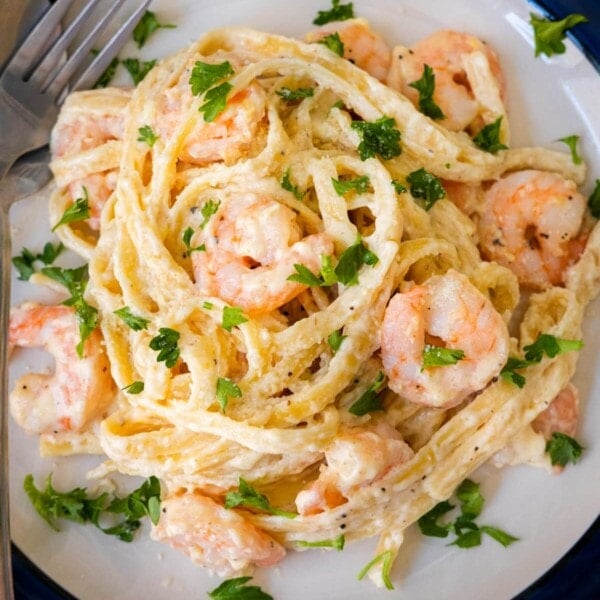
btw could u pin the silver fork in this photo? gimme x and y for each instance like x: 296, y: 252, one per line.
x: 32, y: 87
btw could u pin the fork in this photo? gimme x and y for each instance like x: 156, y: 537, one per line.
x: 32, y: 86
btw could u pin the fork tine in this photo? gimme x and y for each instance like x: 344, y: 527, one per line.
x: 61, y: 79
x: 32, y: 49
x: 93, y: 72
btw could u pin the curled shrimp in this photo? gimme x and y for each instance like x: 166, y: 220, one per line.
x: 446, y: 311
x: 79, y: 390
x: 362, y: 46
x: 232, y: 134
x: 251, y: 246
x: 446, y: 51
x: 220, y: 539
x: 561, y: 416
x: 530, y: 223
x: 355, y: 458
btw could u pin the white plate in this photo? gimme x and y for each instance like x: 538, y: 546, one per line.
x: 548, y: 99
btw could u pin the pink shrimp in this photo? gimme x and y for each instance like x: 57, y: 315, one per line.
x: 561, y: 416
x: 220, y: 539
x: 79, y: 390
x: 531, y: 223
x: 355, y: 458
x: 252, y: 244
x: 446, y: 311
x: 362, y: 46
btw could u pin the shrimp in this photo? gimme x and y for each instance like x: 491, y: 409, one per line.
x: 355, y: 458
x: 530, y: 223
x: 447, y: 310
x: 79, y: 390
x: 362, y: 46
x: 445, y: 52
x: 561, y: 415
x: 232, y: 134
x: 220, y: 539
x: 252, y: 244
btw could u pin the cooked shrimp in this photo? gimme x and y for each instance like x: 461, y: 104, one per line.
x: 252, y: 244
x: 561, y: 416
x: 84, y: 132
x: 354, y: 459
x: 530, y: 223
x: 448, y: 311
x: 212, y: 536
x: 79, y: 390
x: 445, y: 52
x: 362, y: 46
x: 232, y: 134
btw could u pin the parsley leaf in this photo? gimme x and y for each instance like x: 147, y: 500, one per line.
x: 78, y: 211
x: 226, y: 389
x: 337, y: 12
x: 436, y: 356
x: 215, y: 101
x: 232, y: 316
x: 305, y: 276
x: 106, y: 77
x: 549, y: 35
x: 286, y: 184
x: 369, y: 400
x: 25, y: 262
x: 290, y: 95
x: 427, y: 186
x: 379, y: 137
x: 147, y: 25
x: 137, y: 387
x: 334, y: 42
x: 359, y: 184
x: 571, y: 142
x: 132, y: 321
x: 208, y: 209
x: 509, y: 371
x: 75, y: 280
x: 165, y: 343
x: 399, y: 187
x: 426, y: 87
x: 335, y: 340
x: 470, y: 497
x: 386, y: 557
x: 594, y: 201
x: 187, y: 239
x: 428, y: 523
x: 147, y: 135
x: 563, y: 449
x: 500, y: 536
x: 138, y: 69
x: 351, y: 260
x: 550, y: 346
x: 337, y: 543
x: 248, y: 496
x: 205, y: 75
x: 488, y: 138
x: 235, y: 589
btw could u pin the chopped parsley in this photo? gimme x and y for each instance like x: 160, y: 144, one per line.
x: 337, y: 543
x: 146, y: 134
x: 78, y: 211
x: 337, y: 12
x: 351, y: 260
x: 147, y: 25
x: 215, y: 101
x: 333, y: 41
x: 426, y: 87
x: 208, y: 209
x: 594, y: 201
x: 138, y: 69
x: 549, y: 35
x: 236, y: 589
x: 488, y: 138
x: 108, y: 74
x: 399, y: 187
x: 25, y: 262
x: 232, y: 316
x: 75, y: 280
x: 132, y: 321
x: 187, y: 240
x: 386, y: 558
x: 248, y: 496
x: 563, y: 449
x: 286, y: 184
x: 75, y: 505
x: 289, y: 95
x: 437, y: 356
x: 369, y: 400
x: 359, y: 184
x: 226, y: 389
x: 426, y: 186
x: 335, y: 340
x: 571, y: 141
x: 137, y: 387
x: 165, y: 343
x: 206, y: 75
x: 378, y: 138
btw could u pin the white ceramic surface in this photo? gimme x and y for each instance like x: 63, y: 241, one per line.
x: 548, y: 99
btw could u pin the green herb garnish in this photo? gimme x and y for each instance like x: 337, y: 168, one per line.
x: 488, y: 138
x: 78, y: 211
x: 426, y: 87
x: 351, y: 261
x: 206, y: 75
x: 378, y: 138
x: 146, y: 134
x: 286, y: 184
x: 369, y: 400
x: 132, y: 321
x: 335, y: 340
x: 232, y: 316
x: 215, y: 101
x: 571, y: 141
x: 549, y: 35
x: 385, y: 557
x: 359, y: 184
x: 108, y: 74
x: 248, y: 496
x: 333, y: 41
x: 426, y: 186
x: 236, y: 589
x: 226, y: 389
x: 25, y: 262
x: 437, y: 356
x: 165, y: 343
x: 337, y: 543
x: 137, y: 387
x: 147, y: 25
x: 289, y: 95
x: 563, y: 449
x: 594, y: 201
x: 337, y: 12
x: 138, y: 69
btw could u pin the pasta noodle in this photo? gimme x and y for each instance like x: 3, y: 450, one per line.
x: 207, y: 222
